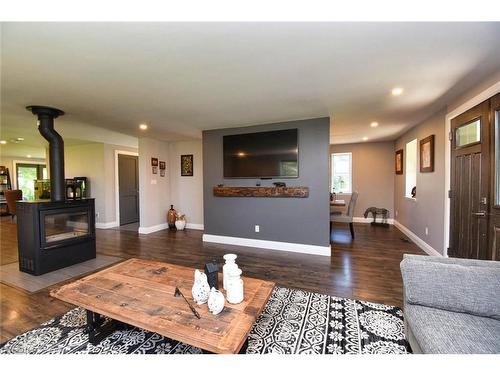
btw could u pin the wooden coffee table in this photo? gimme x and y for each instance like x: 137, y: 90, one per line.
x: 141, y: 293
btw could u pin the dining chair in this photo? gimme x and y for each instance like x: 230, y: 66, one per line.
x: 11, y: 196
x: 348, y: 216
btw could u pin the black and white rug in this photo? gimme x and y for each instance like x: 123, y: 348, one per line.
x: 293, y: 322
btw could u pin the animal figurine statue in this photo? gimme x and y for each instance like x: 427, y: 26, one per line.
x: 216, y: 301
x: 200, y: 289
x: 383, y: 212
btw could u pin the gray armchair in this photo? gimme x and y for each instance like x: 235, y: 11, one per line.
x: 337, y: 217
x: 451, y: 305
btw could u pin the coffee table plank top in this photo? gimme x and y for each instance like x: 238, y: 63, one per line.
x: 141, y: 293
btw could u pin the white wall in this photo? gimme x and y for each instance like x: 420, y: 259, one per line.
x: 186, y: 192
x: 88, y: 161
x: 154, y: 190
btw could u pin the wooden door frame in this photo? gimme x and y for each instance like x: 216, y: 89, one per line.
x: 117, y: 185
x: 478, y: 99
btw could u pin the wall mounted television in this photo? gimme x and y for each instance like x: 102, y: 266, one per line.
x: 271, y: 154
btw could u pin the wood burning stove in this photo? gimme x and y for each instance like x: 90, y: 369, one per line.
x: 55, y: 233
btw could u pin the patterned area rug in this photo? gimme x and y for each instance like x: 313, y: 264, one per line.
x: 293, y: 322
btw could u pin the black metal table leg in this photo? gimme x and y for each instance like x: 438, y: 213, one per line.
x: 97, y: 328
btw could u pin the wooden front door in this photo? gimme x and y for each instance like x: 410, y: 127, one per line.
x: 128, y: 186
x: 494, y: 231
x: 470, y: 184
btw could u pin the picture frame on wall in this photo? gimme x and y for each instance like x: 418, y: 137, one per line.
x: 162, y: 172
x: 155, y: 170
x: 398, y: 161
x: 162, y: 165
x: 154, y: 162
x: 427, y: 154
x: 186, y: 165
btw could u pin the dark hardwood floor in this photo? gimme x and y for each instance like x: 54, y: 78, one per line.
x: 366, y: 268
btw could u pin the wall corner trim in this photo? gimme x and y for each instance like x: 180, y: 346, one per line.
x: 195, y: 226
x: 106, y: 225
x: 417, y: 240
x: 154, y: 228
x: 272, y: 245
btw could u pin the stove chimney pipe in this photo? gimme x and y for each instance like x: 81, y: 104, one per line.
x: 46, y: 116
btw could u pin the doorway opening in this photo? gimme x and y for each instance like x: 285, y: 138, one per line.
x: 127, y: 190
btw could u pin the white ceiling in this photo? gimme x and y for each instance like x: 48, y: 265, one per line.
x: 182, y: 78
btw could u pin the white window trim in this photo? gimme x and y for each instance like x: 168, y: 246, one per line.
x: 407, y: 192
x: 350, y: 171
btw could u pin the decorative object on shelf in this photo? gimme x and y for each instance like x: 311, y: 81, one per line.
x: 212, y: 272
x: 427, y: 154
x: 186, y: 165
x: 200, y: 289
x: 216, y: 301
x: 261, y: 192
x: 230, y: 264
x: 383, y: 212
x: 171, y: 216
x: 279, y: 184
x: 180, y: 221
x: 399, y: 161
x: 154, y: 165
x: 178, y: 293
x: 234, y: 291
x: 220, y: 185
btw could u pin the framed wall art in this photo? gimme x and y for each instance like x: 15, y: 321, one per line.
x: 399, y: 161
x: 427, y: 154
x: 186, y: 165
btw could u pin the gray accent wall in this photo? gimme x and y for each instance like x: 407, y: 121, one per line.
x: 295, y: 220
x: 427, y: 210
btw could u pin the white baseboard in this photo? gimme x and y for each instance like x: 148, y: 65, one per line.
x: 273, y: 245
x: 107, y: 225
x: 195, y: 226
x: 154, y: 228
x: 417, y: 240
x: 370, y: 219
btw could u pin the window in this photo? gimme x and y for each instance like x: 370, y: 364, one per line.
x: 342, y: 172
x: 468, y: 134
x: 411, y: 167
x: 26, y: 174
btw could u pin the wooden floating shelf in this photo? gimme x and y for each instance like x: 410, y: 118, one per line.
x: 261, y: 192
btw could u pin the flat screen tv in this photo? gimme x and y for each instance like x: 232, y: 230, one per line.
x: 272, y: 154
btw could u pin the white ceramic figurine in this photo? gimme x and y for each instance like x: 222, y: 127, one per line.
x: 200, y: 289
x: 234, y: 290
x: 216, y: 301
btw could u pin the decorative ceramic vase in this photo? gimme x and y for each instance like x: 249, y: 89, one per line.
x: 234, y: 291
x: 200, y: 289
x: 180, y: 224
x: 171, y: 216
x: 216, y: 301
x: 230, y: 264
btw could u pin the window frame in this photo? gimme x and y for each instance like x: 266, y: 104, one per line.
x: 407, y: 169
x: 332, y: 169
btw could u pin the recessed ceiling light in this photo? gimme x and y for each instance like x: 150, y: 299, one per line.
x: 365, y: 138
x: 2, y: 142
x: 19, y: 139
x: 28, y: 156
x: 374, y: 124
x: 396, y: 91
x: 241, y: 154
x: 143, y: 126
